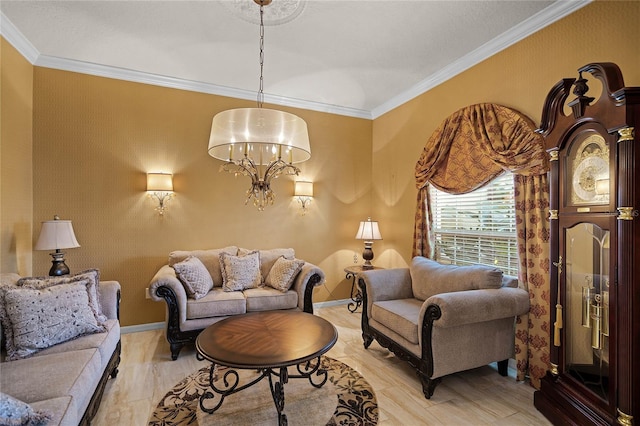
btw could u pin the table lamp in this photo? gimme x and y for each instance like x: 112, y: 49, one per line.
x: 55, y: 235
x: 368, y: 231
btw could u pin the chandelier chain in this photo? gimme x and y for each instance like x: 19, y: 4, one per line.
x: 261, y: 87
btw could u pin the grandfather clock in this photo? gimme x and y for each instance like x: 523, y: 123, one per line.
x: 593, y: 145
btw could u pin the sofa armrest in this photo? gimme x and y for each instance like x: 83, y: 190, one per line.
x: 308, y: 278
x: 385, y: 284
x: 473, y: 306
x: 165, y: 286
x: 110, y: 299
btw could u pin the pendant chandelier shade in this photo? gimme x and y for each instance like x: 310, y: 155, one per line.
x: 259, y: 143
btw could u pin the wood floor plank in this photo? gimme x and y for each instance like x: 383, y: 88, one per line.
x: 475, y: 397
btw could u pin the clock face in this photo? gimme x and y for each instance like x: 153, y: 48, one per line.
x: 588, y: 163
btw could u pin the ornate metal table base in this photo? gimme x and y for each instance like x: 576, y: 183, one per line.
x: 278, y: 377
x: 356, y: 296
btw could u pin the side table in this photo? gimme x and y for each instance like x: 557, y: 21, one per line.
x: 356, y: 296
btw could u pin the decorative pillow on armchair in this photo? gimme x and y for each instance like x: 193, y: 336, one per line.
x: 37, y: 319
x: 283, y: 273
x: 14, y: 412
x: 194, y: 277
x: 240, y: 272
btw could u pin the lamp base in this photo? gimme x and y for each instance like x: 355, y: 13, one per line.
x: 58, y: 266
x: 367, y: 255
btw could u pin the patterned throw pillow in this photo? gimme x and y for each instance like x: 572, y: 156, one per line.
x: 14, y: 412
x: 42, y: 318
x: 283, y: 273
x: 92, y: 275
x: 194, y: 276
x: 240, y: 272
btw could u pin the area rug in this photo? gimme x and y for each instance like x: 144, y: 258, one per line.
x: 346, y: 399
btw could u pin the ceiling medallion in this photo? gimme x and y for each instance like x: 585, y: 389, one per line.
x: 279, y: 12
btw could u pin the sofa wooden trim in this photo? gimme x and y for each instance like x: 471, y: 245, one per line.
x: 110, y: 372
x: 178, y: 338
x: 424, y: 364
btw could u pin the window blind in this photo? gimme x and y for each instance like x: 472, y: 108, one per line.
x: 478, y: 227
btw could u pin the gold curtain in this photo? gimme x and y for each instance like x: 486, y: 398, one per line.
x: 470, y: 148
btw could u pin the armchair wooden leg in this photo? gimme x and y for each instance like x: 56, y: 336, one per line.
x: 367, y: 340
x: 503, y: 367
x: 429, y: 385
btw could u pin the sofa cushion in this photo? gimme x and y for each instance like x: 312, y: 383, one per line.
x: 194, y: 277
x: 209, y: 258
x: 14, y: 412
x: 217, y: 303
x: 269, y: 257
x: 39, y: 319
x: 283, y: 272
x: 93, y: 288
x: 240, y: 272
x: 74, y: 373
x: 429, y: 277
x: 59, y: 408
x: 269, y: 299
x: 400, y: 315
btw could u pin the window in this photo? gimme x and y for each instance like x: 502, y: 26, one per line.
x: 478, y: 227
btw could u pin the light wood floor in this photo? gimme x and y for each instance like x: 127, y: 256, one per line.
x: 475, y: 397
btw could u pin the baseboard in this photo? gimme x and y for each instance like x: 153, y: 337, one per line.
x: 331, y: 303
x: 159, y: 325
x: 142, y: 327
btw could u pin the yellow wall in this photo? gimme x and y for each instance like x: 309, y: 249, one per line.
x: 518, y: 77
x: 94, y: 140
x: 16, y: 185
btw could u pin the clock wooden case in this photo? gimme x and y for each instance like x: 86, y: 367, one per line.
x: 594, y: 375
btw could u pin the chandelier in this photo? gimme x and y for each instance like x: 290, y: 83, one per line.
x: 259, y: 143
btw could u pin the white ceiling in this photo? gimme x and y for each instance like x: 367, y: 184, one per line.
x: 353, y: 57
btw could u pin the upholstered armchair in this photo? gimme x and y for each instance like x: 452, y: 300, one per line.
x: 442, y: 319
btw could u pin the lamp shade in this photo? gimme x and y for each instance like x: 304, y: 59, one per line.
x: 56, y: 234
x: 262, y: 135
x: 303, y: 189
x: 159, y: 182
x: 368, y: 230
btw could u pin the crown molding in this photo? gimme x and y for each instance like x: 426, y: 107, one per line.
x: 17, y: 39
x: 549, y: 15
x: 545, y: 17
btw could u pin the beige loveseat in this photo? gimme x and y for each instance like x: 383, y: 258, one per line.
x: 188, y: 314
x: 67, y: 380
x: 442, y: 319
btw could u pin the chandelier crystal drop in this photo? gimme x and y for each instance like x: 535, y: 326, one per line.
x: 259, y: 143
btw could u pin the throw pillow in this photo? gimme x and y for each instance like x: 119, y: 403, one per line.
x: 43, y: 318
x: 240, y: 272
x: 92, y: 275
x: 283, y: 273
x: 194, y: 277
x: 209, y: 258
x: 268, y: 257
x: 14, y: 412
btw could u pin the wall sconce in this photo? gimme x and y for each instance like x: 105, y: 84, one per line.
x: 368, y: 231
x: 304, y: 191
x: 57, y: 234
x: 160, y: 186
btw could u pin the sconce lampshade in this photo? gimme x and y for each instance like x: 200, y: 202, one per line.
x: 56, y: 235
x: 303, y: 189
x: 159, y: 182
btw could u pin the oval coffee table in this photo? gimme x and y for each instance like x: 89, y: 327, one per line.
x: 268, y: 342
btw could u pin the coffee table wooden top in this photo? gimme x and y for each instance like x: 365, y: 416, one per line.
x: 266, y: 339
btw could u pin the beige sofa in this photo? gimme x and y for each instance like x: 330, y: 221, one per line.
x: 67, y: 380
x: 187, y: 316
x: 442, y: 319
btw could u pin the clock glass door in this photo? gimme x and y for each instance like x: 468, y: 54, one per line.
x: 587, y: 251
